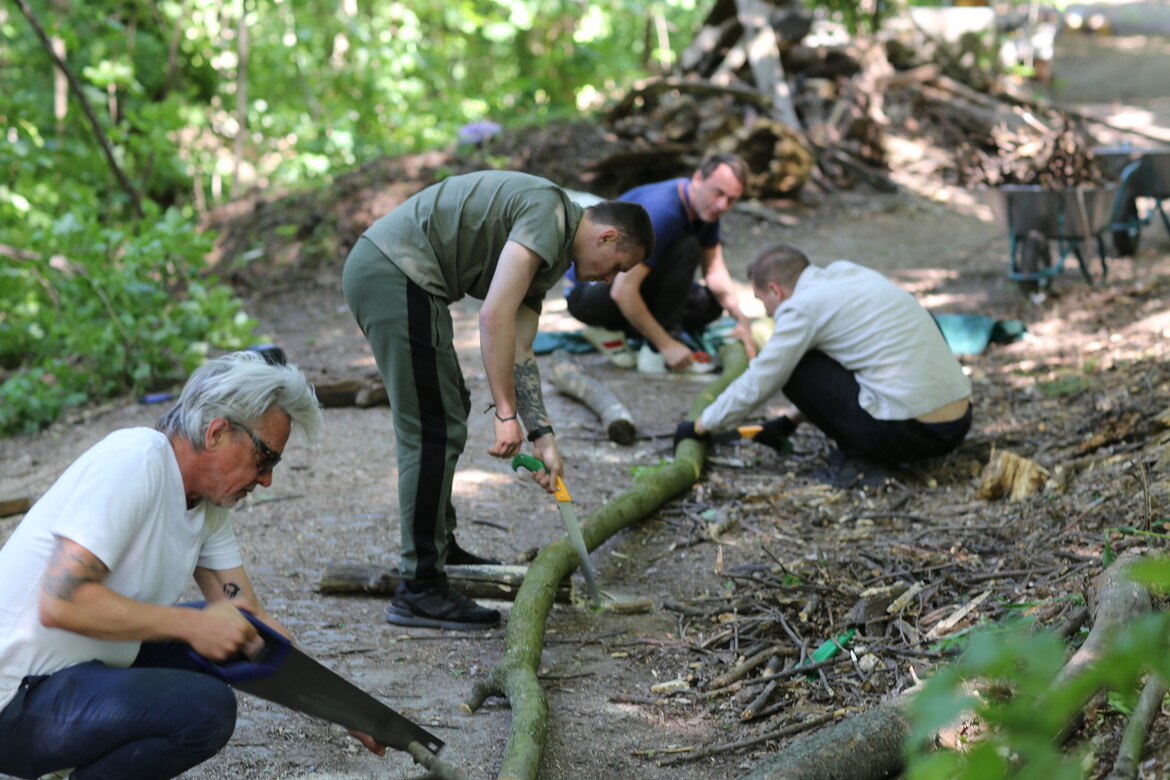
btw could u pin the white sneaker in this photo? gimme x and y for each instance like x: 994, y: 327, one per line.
x: 612, y: 344
x: 60, y: 774
x: 697, y: 366
x: 651, y: 361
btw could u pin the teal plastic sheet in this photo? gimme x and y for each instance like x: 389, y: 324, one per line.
x: 971, y: 334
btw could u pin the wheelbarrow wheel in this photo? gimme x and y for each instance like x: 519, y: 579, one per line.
x: 1127, y: 231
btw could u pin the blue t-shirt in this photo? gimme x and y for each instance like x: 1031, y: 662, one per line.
x: 670, y: 217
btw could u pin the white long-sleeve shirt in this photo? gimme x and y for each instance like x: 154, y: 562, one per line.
x: 870, y: 326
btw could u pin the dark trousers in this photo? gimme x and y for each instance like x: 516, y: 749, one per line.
x: 669, y: 290
x: 412, y: 336
x: 826, y: 393
x: 156, y: 719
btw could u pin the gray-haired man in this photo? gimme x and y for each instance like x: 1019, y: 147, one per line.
x: 94, y: 673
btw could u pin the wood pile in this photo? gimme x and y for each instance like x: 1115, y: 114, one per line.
x: 799, y: 113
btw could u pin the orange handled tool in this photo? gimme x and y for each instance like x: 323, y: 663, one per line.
x: 569, y: 518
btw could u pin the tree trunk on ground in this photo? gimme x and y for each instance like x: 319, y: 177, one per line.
x: 867, y: 746
x: 515, y: 675
x: 1115, y: 602
x: 615, y: 417
x: 478, y: 582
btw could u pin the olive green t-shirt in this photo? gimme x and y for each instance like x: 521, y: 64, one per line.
x: 447, y: 238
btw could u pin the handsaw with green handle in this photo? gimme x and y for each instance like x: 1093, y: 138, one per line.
x: 569, y: 518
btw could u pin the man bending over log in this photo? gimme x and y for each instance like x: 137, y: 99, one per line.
x: 859, y: 358
x: 505, y: 238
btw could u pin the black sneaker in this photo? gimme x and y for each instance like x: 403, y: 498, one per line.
x: 457, y: 556
x: 855, y: 472
x: 439, y: 607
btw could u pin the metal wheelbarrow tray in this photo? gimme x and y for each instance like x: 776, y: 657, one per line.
x: 1142, y: 173
x: 1033, y: 216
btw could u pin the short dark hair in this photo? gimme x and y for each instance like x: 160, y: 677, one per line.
x: 779, y: 263
x: 732, y: 161
x: 631, y: 220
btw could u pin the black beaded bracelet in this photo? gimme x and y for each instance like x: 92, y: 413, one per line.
x: 539, y: 431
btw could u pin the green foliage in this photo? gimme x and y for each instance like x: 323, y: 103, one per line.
x: 1065, y: 385
x: 101, y: 311
x: 103, y: 275
x: 1026, y: 712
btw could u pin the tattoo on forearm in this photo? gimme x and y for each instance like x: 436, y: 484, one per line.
x: 67, y: 573
x: 231, y: 589
x: 529, y: 399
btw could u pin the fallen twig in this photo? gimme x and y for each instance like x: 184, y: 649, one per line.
x: 787, y: 731
x: 1129, y: 753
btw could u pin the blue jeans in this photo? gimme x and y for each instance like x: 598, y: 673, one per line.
x: 156, y: 719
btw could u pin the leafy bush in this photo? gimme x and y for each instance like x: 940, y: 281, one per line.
x: 1023, y: 728
x: 99, y: 310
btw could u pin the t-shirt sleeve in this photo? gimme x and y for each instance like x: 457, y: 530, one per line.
x: 113, y: 494
x: 540, y: 225
x: 220, y: 549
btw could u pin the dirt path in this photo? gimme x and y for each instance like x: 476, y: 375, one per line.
x: 335, y: 501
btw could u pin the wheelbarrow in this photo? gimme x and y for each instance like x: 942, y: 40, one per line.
x: 1141, y: 173
x: 1042, y: 222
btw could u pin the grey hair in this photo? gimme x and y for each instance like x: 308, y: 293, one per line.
x: 242, y: 387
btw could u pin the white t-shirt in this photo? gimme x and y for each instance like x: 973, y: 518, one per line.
x: 869, y: 325
x: 123, y: 500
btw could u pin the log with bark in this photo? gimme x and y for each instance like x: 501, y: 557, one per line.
x: 14, y: 506
x: 478, y: 582
x: 615, y: 417
x: 515, y: 675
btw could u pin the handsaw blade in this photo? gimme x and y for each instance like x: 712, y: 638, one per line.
x: 577, y: 539
x: 304, y: 685
x: 569, y: 519
x: 283, y: 674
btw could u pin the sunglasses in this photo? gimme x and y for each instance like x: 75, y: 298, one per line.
x: 269, y: 457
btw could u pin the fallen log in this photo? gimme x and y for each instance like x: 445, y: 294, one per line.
x: 866, y: 746
x: 14, y: 506
x: 478, y: 582
x: 1115, y: 602
x: 615, y: 417
x: 514, y: 677
x: 362, y: 393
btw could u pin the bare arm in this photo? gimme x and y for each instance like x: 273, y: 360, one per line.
x: 75, y: 598
x: 719, y: 282
x: 530, y: 399
x: 234, y: 587
x: 626, y: 292
x: 498, y: 340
